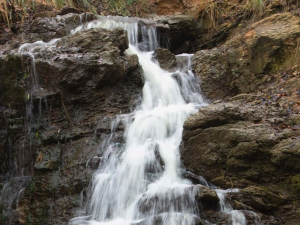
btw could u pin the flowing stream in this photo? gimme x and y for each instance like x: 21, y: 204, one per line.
x: 140, y: 182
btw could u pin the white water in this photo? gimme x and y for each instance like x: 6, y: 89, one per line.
x: 237, y: 216
x: 140, y: 182
x: 30, y: 49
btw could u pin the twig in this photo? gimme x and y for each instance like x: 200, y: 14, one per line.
x: 65, y: 109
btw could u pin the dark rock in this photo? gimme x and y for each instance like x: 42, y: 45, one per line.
x: 207, y: 196
x: 182, y: 29
x: 50, y: 120
x: 166, y: 59
x: 236, y: 135
x: 260, y: 199
x: 47, y: 28
x: 11, y: 195
x: 5, y: 36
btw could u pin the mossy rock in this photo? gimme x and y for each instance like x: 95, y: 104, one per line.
x: 295, y: 180
x: 13, y: 78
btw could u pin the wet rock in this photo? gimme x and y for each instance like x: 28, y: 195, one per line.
x: 11, y: 195
x: 67, y: 9
x: 44, y: 27
x: 207, y: 196
x: 13, y: 87
x: 48, y: 160
x: 50, y: 120
x: 295, y: 181
x: 181, y: 33
x: 202, y: 197
x: 243, y: 63
x: 163, y: 202
x: 161, y: 219
x: 166, y: 59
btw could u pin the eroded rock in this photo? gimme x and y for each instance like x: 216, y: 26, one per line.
x: 244, y: 63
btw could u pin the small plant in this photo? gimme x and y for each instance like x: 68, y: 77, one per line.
x: 257, y: 7
x: 212, y: 12
x: 130, y: 2
x: 4, y: 12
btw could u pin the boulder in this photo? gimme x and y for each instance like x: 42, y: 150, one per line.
x: 166, y: 59
x: 206, y: 196
x: 181, y: 34
x: 96, y: 40
x: 91, y: 57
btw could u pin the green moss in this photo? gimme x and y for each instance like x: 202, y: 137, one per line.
x: 295, y: 180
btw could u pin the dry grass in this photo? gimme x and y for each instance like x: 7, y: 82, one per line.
x: 212, y: 10
x: 4, y: 12
x: 17, y: 10
x: 257, y: 8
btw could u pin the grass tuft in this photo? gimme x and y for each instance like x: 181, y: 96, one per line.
x: 18, y: 10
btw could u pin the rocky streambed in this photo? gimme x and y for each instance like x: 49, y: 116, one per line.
x: 56, y: 113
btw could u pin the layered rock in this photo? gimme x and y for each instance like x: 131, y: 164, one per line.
x: 78, y: 88
x: 250, y: 141
x: 44, y: 26
x: 245, y: 144
x: 247, y: 61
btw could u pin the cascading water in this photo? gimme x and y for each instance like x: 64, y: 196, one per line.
x: 140, y: 182
x: 237, y: 216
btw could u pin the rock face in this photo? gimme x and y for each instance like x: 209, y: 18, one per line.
x: 53, y: 120
x: 245, y: 62
x: 240, y: 136
x: 246, y: 144
x: 251, y: 141
x: 54, y: 117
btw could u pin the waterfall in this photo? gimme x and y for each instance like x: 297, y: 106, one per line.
x: 140, y: 182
